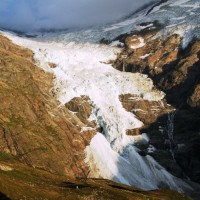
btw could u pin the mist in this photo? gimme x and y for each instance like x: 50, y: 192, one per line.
x: 33, y: 15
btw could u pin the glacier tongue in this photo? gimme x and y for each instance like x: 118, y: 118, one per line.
x: 142, y: 172
x: 82, y: 69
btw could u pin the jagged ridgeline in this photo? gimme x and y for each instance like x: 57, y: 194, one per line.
x: 117, y: 102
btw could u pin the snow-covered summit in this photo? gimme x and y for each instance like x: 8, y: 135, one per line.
x: 181, y: 17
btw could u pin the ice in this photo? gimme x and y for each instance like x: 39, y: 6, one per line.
x: 131, y: 169
x: 145, y: 56
x: 84, y: 129
x: 179, y: 2
x: 116, y: 44
x: 82, y: 69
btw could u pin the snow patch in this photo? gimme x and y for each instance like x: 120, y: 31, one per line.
x: 84, y: 129
x: 116, y: 44
x: 151, y: 149
x: 145, y: 56
x: 137, y: 46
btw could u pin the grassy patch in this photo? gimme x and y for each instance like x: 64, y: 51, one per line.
x: 52, y: 131
x: 17, y: 120
x: 42, y: 148
x: 6, y: 156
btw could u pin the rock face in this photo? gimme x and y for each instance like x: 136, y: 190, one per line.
x: 175, y: 71
x: 81, y: 106
x: 146, y: 111
x: 33, y: 128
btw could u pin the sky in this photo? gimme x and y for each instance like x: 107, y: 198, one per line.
x: 30, y: 15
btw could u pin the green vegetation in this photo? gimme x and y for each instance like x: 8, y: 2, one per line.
x: 27, y: 183
x: 17, y: 120
x: 52, y: 131
x: 6, y: 156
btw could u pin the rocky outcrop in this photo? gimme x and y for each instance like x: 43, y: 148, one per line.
x: 194, y: 99
x: 146, y: 111
x: 33, y: 128
x: 171, y: 68
x: 81, y: 106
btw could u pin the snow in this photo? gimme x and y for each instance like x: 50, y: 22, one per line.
x: 141, y: 43
x: 116, y: 44
x: 158, y: 8
x: 175, y: 25
x: 84, y: 129
x: 5, y: 168
x: 124, y: 25
x: 151, y: 149
x: 131, y: 169
x: 143, y: 138
x: 179, y: 2
x: 179, y: 18
x: 138, y: 110
x: 145, y: 56
x: 147, y: 26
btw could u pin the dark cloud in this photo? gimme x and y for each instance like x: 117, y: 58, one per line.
x: 31, y: 15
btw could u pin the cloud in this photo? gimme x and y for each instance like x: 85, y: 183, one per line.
x: 29, y: 15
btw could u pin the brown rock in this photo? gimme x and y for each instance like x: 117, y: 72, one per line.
x: 133, y: 132
x: 52, y: 65
x: 81, y: 106
x: 194, y: 100
x: 146, y: 111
